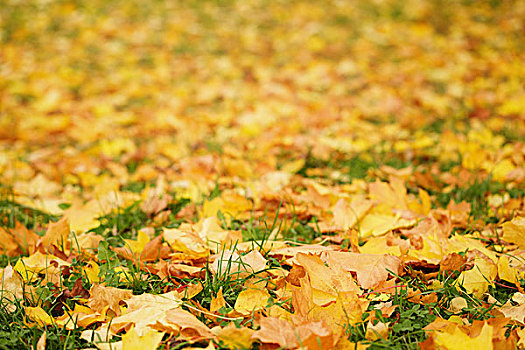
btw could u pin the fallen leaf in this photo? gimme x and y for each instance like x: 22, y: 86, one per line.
x: 377, y: 331
x: 102, y: 297
x: 57, y: 234
x: 378, y: 224
x: 11, y: 289
x: 370, y: 269
x: 250, y: 300
x: 41, y: 344
x: 147, y: 341
x: 234, y: 337
x: 39, y: 316
x: 346, y: 215
x: 311, y: 335
x: 460, y: 340
x: 217, y: 302
x: 190, y: 327
x: 478, y: 279
x: 514, y: 231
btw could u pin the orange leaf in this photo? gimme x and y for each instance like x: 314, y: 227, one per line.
x: 110, y: 297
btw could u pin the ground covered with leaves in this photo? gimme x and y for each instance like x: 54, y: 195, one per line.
x: 262, y: 174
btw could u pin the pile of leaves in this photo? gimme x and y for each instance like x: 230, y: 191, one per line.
x: 262, y: 174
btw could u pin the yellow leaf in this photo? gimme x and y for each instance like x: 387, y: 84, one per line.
x: 425, y: 201
x: 460, y: 340
x: 149, y: 340
x: 236, y: 338
x: 393, y: 194
x: 186, y: 242
x: 478, y: 279
x: 39, y: 263
x: 102, y: 297
x: 378, y: 224
x: 229, y: 262
x: 39, y: 316
x: 500, y: 171
x: 505, y: 272
x: 293, y: 166
x: 190, y: 326
x: 514, y: 231
x: 81, y: 316
x: 229, y: 203
x: 57, y: 234
x: 374, y: 332
x: 137, y: 246
x: 82, y: 217
x: 346, y: 215
x: 217, y: 302
x: 460, y: 243
x: 10, y: 288
x: 378, y: 245
x: 457, y: 304
x: 91, y: 270
x: 251, y: 300
x: 237, y: 167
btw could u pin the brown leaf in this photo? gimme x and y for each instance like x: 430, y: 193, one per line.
x: 453, y: 262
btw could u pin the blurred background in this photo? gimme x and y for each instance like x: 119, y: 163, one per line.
x: 199, y: 89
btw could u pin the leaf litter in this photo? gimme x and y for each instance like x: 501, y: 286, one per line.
x: 262, y: 175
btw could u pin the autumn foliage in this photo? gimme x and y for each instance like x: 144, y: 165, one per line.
x: 259, y: 174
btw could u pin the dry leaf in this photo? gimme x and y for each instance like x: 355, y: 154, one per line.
x: 514, y: 231
x: 370, y: 269
x: 250, y: 300
x: 39, y: 316
x: 107, y: 298
x: 147, y: 341
x: 235, y: 338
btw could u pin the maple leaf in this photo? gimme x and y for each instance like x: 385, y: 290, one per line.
x: 511, y: 268
x: 235, y: 338
x: 189, y: 244
x: 80, y: 316
x: 370, y: 269
x: 217, y: 302
x: 103, y: 299
x: 460, y: 340
x: 148, y: 341
x: 393, y: 194
x: 513, y: 231
x: 229, y: 203
x: 251, y: 299
x: 347, y: 215
x: 30, y: 267
x: 11, y: 288
x: 477, y: 280
x: 312, y: 335
x: 57, y: 235
x: 8, y: 244
x: 82, y: 217
x: 376, y: 224
x: 229, y: 262
x: 514, y: 312
x: 190, y: 327
x: 377, y: 331
x: 39, y: 316
x: 161, y: 312
x: 216, y: 237
x: 327, y: 282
